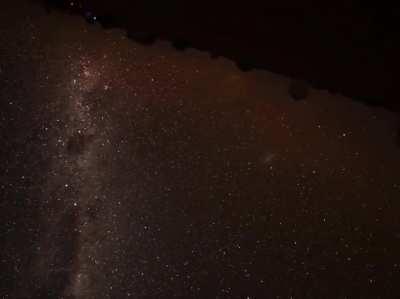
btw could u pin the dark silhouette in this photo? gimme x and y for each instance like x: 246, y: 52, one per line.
x: 347, y: 47
x: 298, y: 90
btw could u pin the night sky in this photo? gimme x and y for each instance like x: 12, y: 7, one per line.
x: 140, y: 171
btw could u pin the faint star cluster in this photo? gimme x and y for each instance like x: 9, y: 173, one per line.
x: 133, y: 171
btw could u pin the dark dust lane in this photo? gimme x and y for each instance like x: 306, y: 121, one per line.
x: 134, y: 171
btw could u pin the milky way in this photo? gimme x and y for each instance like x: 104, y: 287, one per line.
x: 137, y: 171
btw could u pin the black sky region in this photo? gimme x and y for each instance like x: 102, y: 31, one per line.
x: 346, y: 46
x: 135, y: 170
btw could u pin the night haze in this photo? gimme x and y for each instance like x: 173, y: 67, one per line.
x: 142, y: 161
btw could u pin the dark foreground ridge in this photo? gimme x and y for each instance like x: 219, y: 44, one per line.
x: 346, y: 47
x: 134, y: 171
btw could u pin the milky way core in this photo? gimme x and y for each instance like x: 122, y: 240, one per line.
x: 139, y: 171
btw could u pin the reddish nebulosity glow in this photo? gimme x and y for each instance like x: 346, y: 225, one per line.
x: 155, y: 174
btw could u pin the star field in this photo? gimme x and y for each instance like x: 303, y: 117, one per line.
x: 133, y: 171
